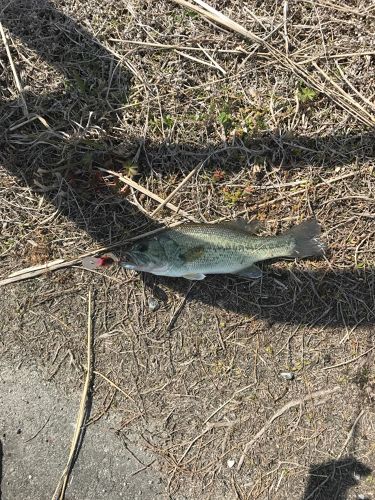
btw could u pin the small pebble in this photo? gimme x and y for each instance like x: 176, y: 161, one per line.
x: 153, y: 304
x: 230, y: 463
x: 286, y: 375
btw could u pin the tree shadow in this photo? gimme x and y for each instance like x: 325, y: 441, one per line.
x: 332, y: 480
x: 64, y: 44
x: 70, y: 181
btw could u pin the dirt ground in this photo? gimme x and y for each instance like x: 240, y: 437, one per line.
x: 261, y: 389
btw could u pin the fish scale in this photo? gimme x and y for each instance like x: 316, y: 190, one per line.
x: 225, y: 250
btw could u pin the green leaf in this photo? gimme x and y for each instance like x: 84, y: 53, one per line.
x: 306, y: 94
x: 224, y: 118
x: 168, y: 121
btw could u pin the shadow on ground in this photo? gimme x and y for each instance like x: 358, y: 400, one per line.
x: 332, y: 480
x: 68, y: 177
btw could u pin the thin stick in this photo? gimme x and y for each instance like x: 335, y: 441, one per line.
x: 342, y: 55
x: 266, y: 187
x: 341, y: 8
x: 356, y: 91
x: 344, y: 94
x: 349, y: 360
x: 14, y: 71
x: 40, y: 266
x: 175, y: 191
x: 32, y: 117
x: 188, y: 448
x: 147, y: 192
x: 350, y: 433
x: 281, y: 411
x: 214, y: 62
x: 226, y: 402
x: 179, y: 308
x: 214, y: 15
x: 199, y: 61
x: 59, y: 493
x: 285, y: 17
x: 114, y: 385
x: 180, y: 47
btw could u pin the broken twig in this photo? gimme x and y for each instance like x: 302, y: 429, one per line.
x: 281, y: 411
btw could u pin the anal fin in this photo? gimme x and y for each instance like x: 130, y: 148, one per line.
x: 252, y: 272
x: 194, y: 276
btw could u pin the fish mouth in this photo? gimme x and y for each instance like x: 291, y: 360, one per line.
x: 135, y: 262
x: 131, y: 261
x: 128, y: 265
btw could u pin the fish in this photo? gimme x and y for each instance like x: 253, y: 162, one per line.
x: 195, y: 250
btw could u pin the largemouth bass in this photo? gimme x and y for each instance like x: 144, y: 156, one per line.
x: 194, y: 250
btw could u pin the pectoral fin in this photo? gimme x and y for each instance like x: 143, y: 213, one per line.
x: 194, y: 277
x: 252, y: 272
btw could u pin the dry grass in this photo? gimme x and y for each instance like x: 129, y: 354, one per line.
x: 278, y: 130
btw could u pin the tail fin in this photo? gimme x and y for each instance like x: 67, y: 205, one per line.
x: 306, y: 239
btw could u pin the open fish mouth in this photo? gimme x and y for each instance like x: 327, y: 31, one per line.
x: 135, y: 262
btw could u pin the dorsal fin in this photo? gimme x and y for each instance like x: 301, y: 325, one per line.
x: 252, y: 227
